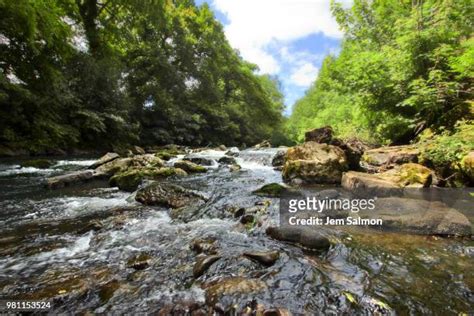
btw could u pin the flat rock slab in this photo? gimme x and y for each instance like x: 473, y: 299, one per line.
x: 70, y: 178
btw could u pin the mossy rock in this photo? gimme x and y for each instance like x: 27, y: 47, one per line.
x: 271, y: 190
x: 414, y: 174
x: 37, y: 163
x: 189, y: 166
x: 130, y: 180
x: 467, y: 164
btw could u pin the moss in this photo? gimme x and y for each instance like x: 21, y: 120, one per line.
x: 412, y: 173
x: 190, y: 167
x: 128, y: 180
x: 37, y: 163
x: 165, y: 155
x: 467, y: 164
x: 271, y: 189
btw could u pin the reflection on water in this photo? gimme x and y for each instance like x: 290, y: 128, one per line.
x: 75, y: 246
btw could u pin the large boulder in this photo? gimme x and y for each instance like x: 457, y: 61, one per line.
x: 319, y: 135
x: 312, y: 162
x: 419, y: 216
x: 70, y: 178
x: 390, y: 182
x: 374, y: 160
x: 168, y: 195
x: 108, y: 157
x: 130, y: 179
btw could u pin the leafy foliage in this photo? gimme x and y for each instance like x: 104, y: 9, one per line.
x: 90, y: 73
x: 404, y: 66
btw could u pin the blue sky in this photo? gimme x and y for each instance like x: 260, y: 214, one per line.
x: 286, y: 38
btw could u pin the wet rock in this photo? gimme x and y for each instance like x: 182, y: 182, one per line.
x: 94, y: 225
x: 225, y: 160
x: 203, y: 263
x: 139, y: 262
x: 114, y: 166
x: 354, y: 149
x: 70, y: 178
x: 108, y: 157
x: 168, y: 195
x: 199, y: 160
x: 264, y: 144
x: 321, y: 135
x: 279, y: 158
x: 207, y: 246
x: 307, y: 237
x: 247, y: 219
x: 312, y: 162
x: 378, y: 159
x: 222, y: 147
x: 37, y: 163
x: 233, y: 286
x: 271, y: 190
x: 266, y: 258
x: 130, y: 180
x: 233, y: 151
x: 234, y: 168
x: 189, y: 166
x: 419, y: 216
x: 409, y: 175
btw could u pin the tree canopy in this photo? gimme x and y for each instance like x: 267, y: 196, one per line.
x: 99, y: 74
x: 404, y: 66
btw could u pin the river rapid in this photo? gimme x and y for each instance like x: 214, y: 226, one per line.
x: 75, y: 247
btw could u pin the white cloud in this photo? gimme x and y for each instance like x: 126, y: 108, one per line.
x: 254, y: 24
x: 304, y: 75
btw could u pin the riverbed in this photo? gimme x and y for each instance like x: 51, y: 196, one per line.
x: 75, y: 247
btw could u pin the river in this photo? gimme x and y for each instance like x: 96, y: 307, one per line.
x: 74, y: 246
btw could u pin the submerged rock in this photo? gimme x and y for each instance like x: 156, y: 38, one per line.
x: 271, y: 190
x: 233, y: 286
x: 203, y: 263
x: 307, y: 237
x: 168, y: 195
x: 234, y: 168
x: 419, y: 216
x: 386, y: 157
x: 312, y: 162
x: 189, y: 166
x: 139, y: 262
x: 207, y: 246
x: 266, y: 258
x: 37, y: 163
x: 321, y: 135
x: 108, y: 157
x: 226, y: 160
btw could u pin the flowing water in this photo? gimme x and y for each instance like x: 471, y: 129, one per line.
x: 74, y: 246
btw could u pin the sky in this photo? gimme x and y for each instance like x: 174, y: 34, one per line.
x: 286, y: 38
